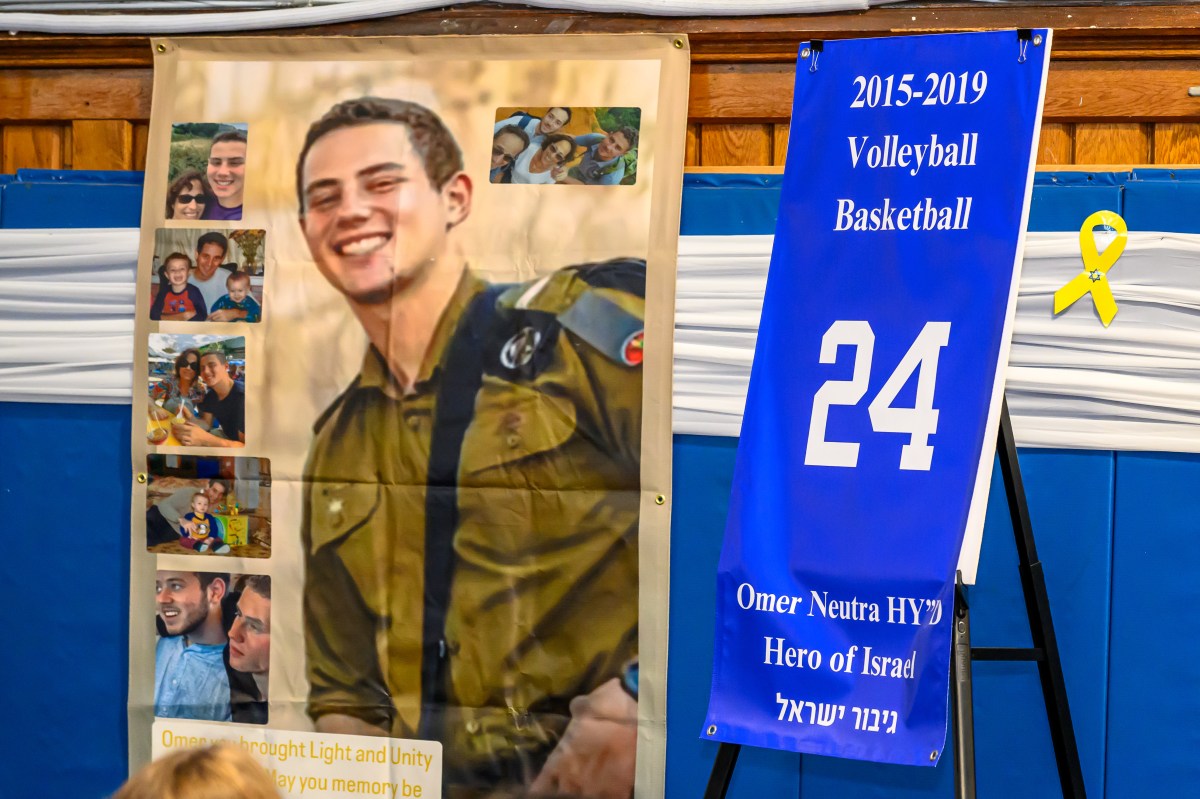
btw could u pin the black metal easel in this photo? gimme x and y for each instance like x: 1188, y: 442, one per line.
x: 1044, y: 651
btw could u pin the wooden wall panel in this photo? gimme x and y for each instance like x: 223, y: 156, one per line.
x: 1117, y: 91
x: 1122, y: 90
x: 1177, y: 143
x: 141, y: 137
x: 101, y: 144
x: 691, y: 147
x: 742, y: 92
x: 29, y: 95
x: 1056, y: 145
x: 779, y: 146
x: 31, y: 147
x: 1114, y: 143
x: 735, y: 145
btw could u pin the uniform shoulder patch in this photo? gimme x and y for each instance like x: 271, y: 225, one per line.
x: 607, y: 327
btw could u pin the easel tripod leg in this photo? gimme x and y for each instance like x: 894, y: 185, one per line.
x: 1041, y: 626
x: 961, y: 698
x: 722, y: 771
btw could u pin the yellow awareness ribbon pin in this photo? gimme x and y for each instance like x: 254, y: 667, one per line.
x: 1094, y: 277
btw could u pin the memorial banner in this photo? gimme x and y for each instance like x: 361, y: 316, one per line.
x: 868, y: 436
x: 403, y: 336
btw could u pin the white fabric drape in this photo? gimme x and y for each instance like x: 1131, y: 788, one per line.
x: 66, y: 334
x: 32, y: 16
x: 66, y: 315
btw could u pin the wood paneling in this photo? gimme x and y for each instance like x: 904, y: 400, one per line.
x: 1113, y: 143
x: 29, y: 95
x: 1056, y: 146
x: 744, y: 92
x: 32, y: 147
x: 779, y: 146
x: 1123, y: 90
x: 735, y: 145
x: 1177, y: 143
x: 691, y: 147
x: 141, y: 137
x: 101, y: 144
x: 1117, y: 89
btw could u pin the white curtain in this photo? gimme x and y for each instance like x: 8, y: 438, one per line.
x: 122, y: 17
x: 66, y: 322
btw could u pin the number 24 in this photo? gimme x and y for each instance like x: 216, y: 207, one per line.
x: 919, y: 421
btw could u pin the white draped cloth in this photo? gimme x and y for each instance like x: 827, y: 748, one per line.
x: 66, y: 334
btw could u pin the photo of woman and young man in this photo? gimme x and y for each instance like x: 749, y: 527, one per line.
x: 207, y: 172
x: 563, y: 145
x: 196, y: 391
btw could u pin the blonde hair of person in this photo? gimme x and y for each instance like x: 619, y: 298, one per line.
x: 222, y: 771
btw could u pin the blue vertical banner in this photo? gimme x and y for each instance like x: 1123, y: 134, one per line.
x: 870, y: 423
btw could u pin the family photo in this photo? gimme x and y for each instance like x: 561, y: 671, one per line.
x: 212, y: 657
x: 565, y: 145
x: 196, y: 390
x: 219, y: 506
x: 203, y: 275
x: 207, y: 172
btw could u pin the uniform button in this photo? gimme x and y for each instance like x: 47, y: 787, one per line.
x: 414, y: 423
x: 513, y: 440
x: 473, y: 727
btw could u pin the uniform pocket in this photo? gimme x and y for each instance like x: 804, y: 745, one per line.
x: 338, y: 509
x: 513, y: 422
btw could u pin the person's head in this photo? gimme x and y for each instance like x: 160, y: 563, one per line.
x: 617, y: 143
x: 381, y: 188
x: 210, y: 254
x: 553, y: 120
x: 220, y: 771
x: 556, y: 150
x: 509, y: 142
x: 227, y: 167
x: 250, y: 635
x: 187, y: 364
x: 215, y: 491
x: 189, y: 603
x: 238, y: 286
x: 200, y: 503
x: 214, y: 368
x: 187, y: 196
x: 175, y: 271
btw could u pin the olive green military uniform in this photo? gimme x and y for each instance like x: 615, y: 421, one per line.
x: 543, y: 599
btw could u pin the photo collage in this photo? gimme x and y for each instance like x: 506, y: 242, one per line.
x: 207, y: 276
x: 561, y: 145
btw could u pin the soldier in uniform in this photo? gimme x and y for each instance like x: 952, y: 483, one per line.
x: 471, y: 502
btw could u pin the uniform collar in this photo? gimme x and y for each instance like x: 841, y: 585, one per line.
x: 375, y: 372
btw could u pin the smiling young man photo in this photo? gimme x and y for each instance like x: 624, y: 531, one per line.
x: 226, y: 173
x: 223, y: 406
x: 472, y: 498
x: 602, y: 163
x: 189, y: 670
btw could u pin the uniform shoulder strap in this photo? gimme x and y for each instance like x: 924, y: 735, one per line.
x: 461, y: 377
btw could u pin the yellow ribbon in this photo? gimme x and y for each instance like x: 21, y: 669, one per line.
x: 1094, y: 277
